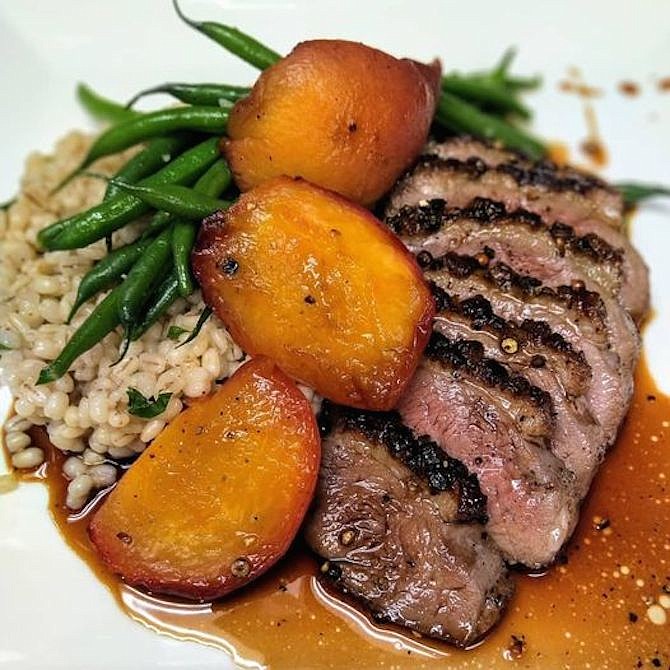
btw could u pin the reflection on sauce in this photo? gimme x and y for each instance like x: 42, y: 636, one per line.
x: 608, y: 606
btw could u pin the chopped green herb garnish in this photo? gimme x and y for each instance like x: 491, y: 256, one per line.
x: 146, y: 408
x: 4, y: 347
x: 206, y: 313
x: 175, y: 332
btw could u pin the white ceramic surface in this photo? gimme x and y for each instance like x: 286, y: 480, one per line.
x: 53, y: 612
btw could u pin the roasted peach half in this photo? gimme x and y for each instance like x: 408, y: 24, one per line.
x: 301, y: 275
x: 340, y: 114
x: 219, y: 495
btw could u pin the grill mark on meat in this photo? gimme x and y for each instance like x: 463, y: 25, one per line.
x: 575, y: 298
x: 480, y: 414
x: 393, y: 543
x: 419, y: 453
x: 493, y: 154
x: 574, y: 312
x: 548, y: 361
x: 412, y: 220
x: 478, y: 312
x: 467, y: 357
x: 435, y: 227
x: 459, y: 171
x: 541, y: 173
x: 598, y: 212
x: 464, y: 148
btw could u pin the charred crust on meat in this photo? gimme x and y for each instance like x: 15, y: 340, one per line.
x: 479, y: 312
x: 332, y: 571
x: 588, y: 302
x: 503, y: 277
x: 538, y: 361
x: 424, y: 259
x: 418, y: 453
x: 478, y: 143
x: 431, y: 216
x: 468, y: 356
x: 590, y: 244
x: 455, y: 264
x: 426, y: 218
x: 507, y: 279
x: 543, y: 174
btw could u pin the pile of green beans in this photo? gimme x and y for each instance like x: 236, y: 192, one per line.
x: 180, y: 177
x: 149, y: 274
x: 487, y: 105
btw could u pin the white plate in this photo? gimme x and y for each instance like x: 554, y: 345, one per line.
x: 53, y: 612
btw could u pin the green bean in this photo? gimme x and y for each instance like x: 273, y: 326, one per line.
x: 144, y: 276
x: 484, y: 91
x: 512, y: 84
x: 83, y: 229
x: 462, y: 117
x: 164, y: 296
x: 159, y: 221
x: 154, y: 124
x: 102, y: 320
x: 157, y: 153
x: 503, y: 66
x: 634, y: 192
x: 107, y: 272
x: 178, y: 200
x: 183, y: 238
x: 101, y: 108
x: 197, y: 94
x: 214, y: 182
x: 245, y: 47
x: 523, y: 83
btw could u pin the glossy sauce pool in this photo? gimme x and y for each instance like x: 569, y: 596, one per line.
x: 608, y: 606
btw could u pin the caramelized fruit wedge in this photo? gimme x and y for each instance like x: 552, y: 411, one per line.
x: 317, y: 283
x: 218, y: 496
x: 340, y: 114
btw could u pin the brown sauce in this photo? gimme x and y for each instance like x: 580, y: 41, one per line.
x: 629, y: 88
x: 579, y: 88
x: 593, y: 146
x: 559, y: 153
x: 594, y: 611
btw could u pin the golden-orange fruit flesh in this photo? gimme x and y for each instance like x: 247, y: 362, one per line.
x: 219, y: 495
x: 301, y: 275
x: 340, y: 114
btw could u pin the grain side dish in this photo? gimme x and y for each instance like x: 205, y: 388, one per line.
x: 86, y: 411
x: 377, y: 319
